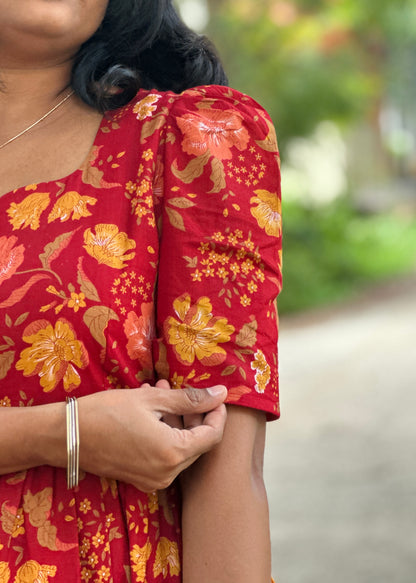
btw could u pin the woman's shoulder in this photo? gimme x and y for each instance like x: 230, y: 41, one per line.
x: 216, y: 96
x: 213, y: 103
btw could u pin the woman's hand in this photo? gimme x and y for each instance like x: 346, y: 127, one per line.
x: 123, y: 434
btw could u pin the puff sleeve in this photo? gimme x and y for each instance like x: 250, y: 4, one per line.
x: 220, y: 247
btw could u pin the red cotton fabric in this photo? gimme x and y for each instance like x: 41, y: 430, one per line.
x: 158, y: 258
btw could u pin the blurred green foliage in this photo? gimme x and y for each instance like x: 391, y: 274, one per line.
x: 307, y: 61
x: 310, y: 60
x: 330, y: 252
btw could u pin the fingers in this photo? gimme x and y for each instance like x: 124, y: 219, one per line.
x: 169, y: 418
x: 162, y: 384
x: 192, y: 420
x: 189, y: 401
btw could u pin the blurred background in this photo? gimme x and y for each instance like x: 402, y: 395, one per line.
x: 338, y: 78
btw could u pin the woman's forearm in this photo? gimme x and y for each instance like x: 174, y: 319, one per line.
x: 225, y: 511
x: 122, y: 435
x: 32, y: 436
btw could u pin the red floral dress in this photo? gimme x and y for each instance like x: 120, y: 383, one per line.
x: 158, y: 258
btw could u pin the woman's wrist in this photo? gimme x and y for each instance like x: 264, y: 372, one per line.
x: 32, y: 436
x: 48, y: 445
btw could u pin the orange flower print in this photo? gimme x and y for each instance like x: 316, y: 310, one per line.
x: 197, y: 333
x: 71, y: 202
x: 267, y: 212
x: 139, y: 557
x: 140, y: 331
x: 4, y: 572
x: 214, y: 131
x: 27, y: 213
x: 11, y: 257
x: 53, y: 355
x: 262, y: 376
x: 5, y: 402
x: 145, y: 107
x: 109, y: 246
x: 33, y: 572
x: 167, y: 558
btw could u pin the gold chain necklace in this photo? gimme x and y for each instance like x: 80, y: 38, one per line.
x: 47, y: 114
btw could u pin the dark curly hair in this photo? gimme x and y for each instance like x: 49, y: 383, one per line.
x: 142, y: 44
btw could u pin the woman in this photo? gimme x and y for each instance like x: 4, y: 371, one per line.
x: 138, y: 249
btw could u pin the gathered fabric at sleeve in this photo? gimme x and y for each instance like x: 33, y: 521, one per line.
x: 218, y: 180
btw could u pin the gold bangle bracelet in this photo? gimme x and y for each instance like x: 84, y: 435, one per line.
x: 72, y: 442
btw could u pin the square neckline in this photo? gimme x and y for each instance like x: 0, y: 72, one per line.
x: 35, y: 185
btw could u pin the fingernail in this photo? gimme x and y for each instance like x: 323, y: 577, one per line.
x: 217, y: 390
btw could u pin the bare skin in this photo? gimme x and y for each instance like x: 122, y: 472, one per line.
x: 122, y: 434
x: 225, y: 518
x: 37, y: 43
x: 225, y: 511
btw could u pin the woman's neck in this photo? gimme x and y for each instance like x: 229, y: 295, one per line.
x: 26, y: 95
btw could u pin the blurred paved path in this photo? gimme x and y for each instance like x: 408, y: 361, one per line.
x: 341, y: 462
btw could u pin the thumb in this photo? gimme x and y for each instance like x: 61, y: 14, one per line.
x: 188, y: 401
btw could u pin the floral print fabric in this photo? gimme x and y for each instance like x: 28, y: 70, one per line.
x: 158, y: 258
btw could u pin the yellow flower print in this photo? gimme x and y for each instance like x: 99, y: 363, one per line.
x: 33, y: 572
x: 245, y: 300
x: 252, y: 287
x: 53, y: 354
x: 148, y: 155
x: 77, y: 301
x: 235, y: 268
x: 196, y: 275
x: 153, y: 502
x: 92, y: 560
x: 177, y: 381
x: 267, y: 212
x: 131, y: 187
x: 18, y: 527
x: 98, y: 539
x: 12, y: 520
x: 85, y: 506
x: 71, y: 202
x: 5, y: 402
x: 27, y: 213
x: 4, y: 572
x: 249, y: 244
x: 139, y: 557
x: 108, y: 245
x: 247, y: 266
x: 222, y: 273
x: 109, y: 519
x: 145, y: 107
x: 86, y: 574
x: 197, y: 333
x: 262, y: 376
x: 167, y: 558
x: 104, y: 574
x: 218, y: 237
x: 84, y: 548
